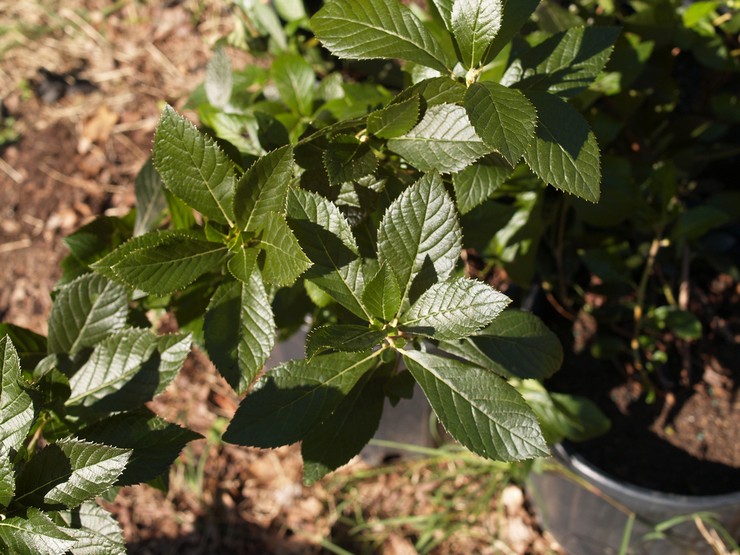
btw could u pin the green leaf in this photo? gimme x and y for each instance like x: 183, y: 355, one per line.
x: 34, y: 534
x: 502, y: 117
x: 194, y: 168
x: 444, y: 140
x: 154, y: 443
x: 284, y: 260
x: 475, y: 23
x: 289, y: 400
x: 239, y: 330
x: 454, y: 309
x: 262, y: 190
x: 7, y: 478
x: 69, y: 472
x: 96, y: 239
x: 360, y: 30
x: 162, y: 262
x: 395, y: 119
x: 327, y: 239
x: 86, y: 311
x: 444, y: 7
x: 30, y: 346
x: 683, y: 323
x: 150, y: 199
x: 515, y: 15
x: 346, y: 158
x: 433, y: 92
x: 517, y: 344
x: 95, y: 530
x: 219, y: 79
x: 343, y: 434
x: 696, y: 222
x: 382, y: 295
x: 114, y: 361
x: 478, y: 182
x: 341, y: 337
x: 243, y: 263
x: 566, y: 63
x: 419, y: 237
x: 478, y: 408
x: 564, y: 153
x: 295, y: 81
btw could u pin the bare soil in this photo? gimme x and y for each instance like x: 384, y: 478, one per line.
x: 85, y: 125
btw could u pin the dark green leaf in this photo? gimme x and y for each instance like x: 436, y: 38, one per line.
x: 95, y: 530
x: 475, y: 23
x: 295, y: 81
x: 30, y: 346
x: 454, y: 309
x: 162, y: 262
x: 341, y: 436
x: 341, y: 337
x: 348, y: 159
x: 681, y: 322
x: 284, y: 259
x: 219, y: 80
x: 515, y: 15
x: 564, y: 153
x: 478, y: 182
x: 239, y: 330
x: 7, y: 478
x: 86, y: 311
x: 478, y: 408
x: 382, y: 295
x: 96, y: 239
x: 444, y: 7
x: 444, y: 140
x: 261, y: 191
x: 194, y: 168
x: 155, y: 443
x: 150, y: 199
x: 289, y: 400
x: 69, y: 472
x: 243, y: 263
x: 361, y: 30
x: 517, y: 344
x: 698, y: 221
x: 395, y: 119
x: 419, y: 237
x: 433, y: 92
x: 327, y: 239
x: 502, y: 117
x: 34, y: 534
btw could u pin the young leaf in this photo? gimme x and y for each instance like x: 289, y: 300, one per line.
x: 219, y: 79
x: 419, y: 237
x: 162, y: 262
x: 84, y: 312
x: 454, y: 309
x: 194, y: 168
x: 343, y: 434
x: 477, y: 183
x: 382, y: 295
x: 243, y: 263
x: 114, y: 361
x: 295, y: 81
x: 69, y: 472
x: 239, y: 330
x: 564, y: 152
x: 515, y: 15
x: 341, y: 337
x: 154, y: 443
x: 444, y: 140
x: 34, y: 534
x: 284, y: 259
x: 394, y: 120
x: 16, y: 407
x: 516, y: 344
x: 289, y: 400
x: 478, y: 408
x: 361, y: 30
x: 262, y: 190
x: 502, y: 117
x: 150, y: 199
x: 348, y: 159
x: 568, y: 62
x: 475, y: 23
x: 327, y: 239
x: 95, y: 530
x: 7, y: 479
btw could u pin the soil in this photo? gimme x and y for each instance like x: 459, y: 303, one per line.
x: 84, y: 82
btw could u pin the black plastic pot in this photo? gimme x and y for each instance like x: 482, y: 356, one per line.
x: 588, y: 512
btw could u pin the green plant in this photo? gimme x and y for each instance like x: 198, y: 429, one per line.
x: 312, y: 195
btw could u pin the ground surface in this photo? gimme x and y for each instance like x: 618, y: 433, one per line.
x: 81, y: 134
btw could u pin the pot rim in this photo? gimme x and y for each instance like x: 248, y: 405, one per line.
x: 568, y: 455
